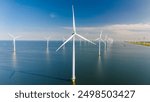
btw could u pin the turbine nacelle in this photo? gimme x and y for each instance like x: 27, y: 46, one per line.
x: 47, y: 38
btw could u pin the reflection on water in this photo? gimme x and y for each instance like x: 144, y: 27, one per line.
x: 14, y: 64
x: 47, y: 55
x: 64, y: 48
x: 105, y: 54
x: 109, y: 50
x: 99, y: 64
x: 47, y: 50
x: 80, y: 42
x: 14, y: 59
x: 32, y: 65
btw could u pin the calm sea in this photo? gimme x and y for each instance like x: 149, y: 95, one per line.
x: 120, y: 64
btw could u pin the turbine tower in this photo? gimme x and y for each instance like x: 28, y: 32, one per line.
x: 47, y: 43
x: 14, y: 41
x: 73, y: 36
x: 100, y: 39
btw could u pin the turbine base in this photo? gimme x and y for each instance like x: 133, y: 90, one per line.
x: 73, y: 82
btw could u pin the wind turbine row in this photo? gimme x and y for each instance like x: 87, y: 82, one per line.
x: 16, y: 37
x: 73, y: 37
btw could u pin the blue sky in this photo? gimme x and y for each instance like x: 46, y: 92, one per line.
x: 35, y: 19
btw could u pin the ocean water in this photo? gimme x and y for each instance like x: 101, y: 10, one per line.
x: 120, y: 64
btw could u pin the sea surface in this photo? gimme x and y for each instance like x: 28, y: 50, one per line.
x: 119, y: 64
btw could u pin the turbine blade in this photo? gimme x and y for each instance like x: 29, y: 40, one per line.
x: 18, y: 37
x: 11, y: 35
x: 65, y: 42
x: 103, y: 41
x: 74, y: 26
x: 96, y: 39
x: 85, y: 38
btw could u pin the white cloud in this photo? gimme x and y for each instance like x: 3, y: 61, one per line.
x: 119, y: 31
x: 129, y: 27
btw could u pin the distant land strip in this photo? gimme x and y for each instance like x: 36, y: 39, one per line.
x: 141, y: 43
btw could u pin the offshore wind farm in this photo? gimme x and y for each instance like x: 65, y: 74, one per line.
x: 86, y: 47
x: 32, y: 65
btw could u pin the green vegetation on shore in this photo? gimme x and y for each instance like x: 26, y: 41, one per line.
x: 141, y: 43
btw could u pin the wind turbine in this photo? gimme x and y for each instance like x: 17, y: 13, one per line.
x: 47, y: 43
x: 106, y: 38
x: 73, y: 36
x: 100, y: 39
x: 14, y: 40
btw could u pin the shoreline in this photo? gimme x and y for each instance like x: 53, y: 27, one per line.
x: 141, y: 43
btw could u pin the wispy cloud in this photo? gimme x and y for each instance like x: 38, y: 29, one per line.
x: 129, y: 27
x: 116, y: 27
x: 120, y: 31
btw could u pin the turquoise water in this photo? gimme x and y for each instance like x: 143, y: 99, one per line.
x: 120, y: 64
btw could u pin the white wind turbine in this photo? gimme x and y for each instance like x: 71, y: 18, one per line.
x: 14, y: 40
x: 100, y: 39
x: 108, y: 40
x: 73, y: 36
